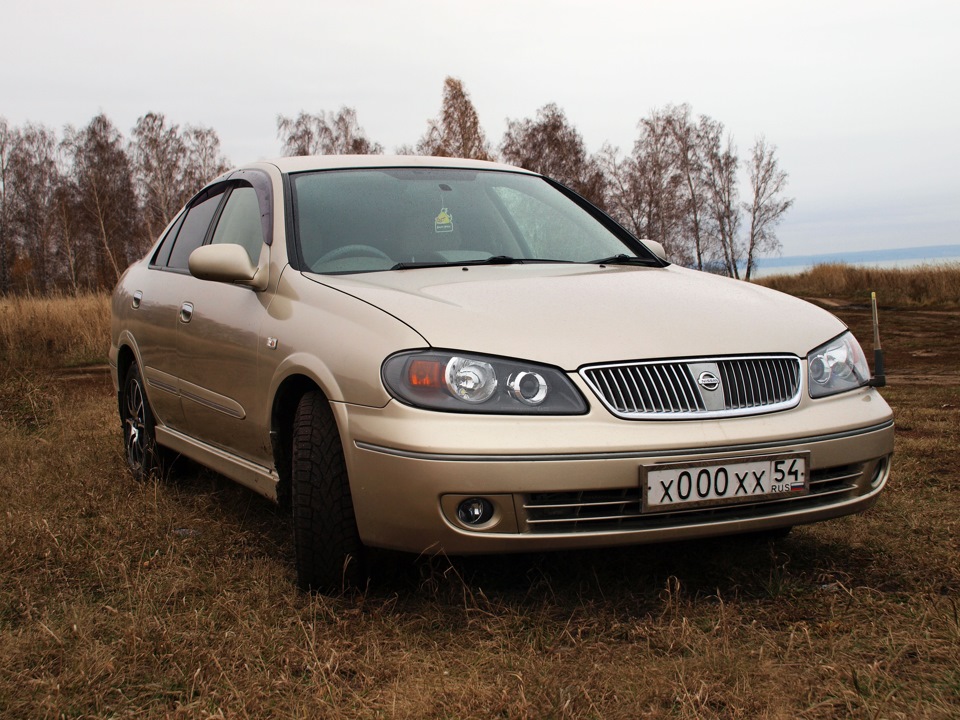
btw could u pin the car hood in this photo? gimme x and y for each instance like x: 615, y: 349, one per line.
x: 572, y: 315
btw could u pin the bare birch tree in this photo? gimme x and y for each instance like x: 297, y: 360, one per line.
x: 550, y: 145
x: 301, y: 135
x: 325, y: 134
x: 348, y: 136
x: 102, y: 177
x: 65, y: 205
x: 170, y: 165
x: 625, y: 200
x: 159, y: 154
x: 74, y: 213
x: 456, y: 132
x: 7, y: 139
x: 646, y: 189
x: 33, y: 178
x: 690, y: 160
x: 766, y: 210
x: 721, y: 184
x: 203, y: 162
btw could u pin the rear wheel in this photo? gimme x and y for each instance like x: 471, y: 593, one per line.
x: 329, y: 554
x: 145, y: 458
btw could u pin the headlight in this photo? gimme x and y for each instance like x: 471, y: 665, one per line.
x: 837, y: 366
x: 465, y: 382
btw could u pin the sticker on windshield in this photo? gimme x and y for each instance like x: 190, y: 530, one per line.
x: 443, y: 222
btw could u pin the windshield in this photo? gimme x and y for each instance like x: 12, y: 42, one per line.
x: 402, y: 218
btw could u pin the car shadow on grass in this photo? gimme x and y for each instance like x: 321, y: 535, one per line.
x: 747, y: 566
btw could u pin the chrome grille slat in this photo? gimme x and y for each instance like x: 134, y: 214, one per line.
x: 631, y: 373
x: 590, y: 518
x: 623, y: 380
x: 683, y: 382
x: 771, y: 373
x: 669, y: 389
x: 659, y: 384
x: 673, y: 388
x: 776, y: 379
x: 763, y: 378
x: 606, y: 384
x: 649, y: 405
x: 841, y: 478
x: 570, y: 512
x: 840, y: 475
x: 743, y: 385
x: 759, y: 391
x: 557, y: 506
x: 579, y: 519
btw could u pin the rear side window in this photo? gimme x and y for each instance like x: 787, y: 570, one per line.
x: 163, y: 252
x: 193, y: 230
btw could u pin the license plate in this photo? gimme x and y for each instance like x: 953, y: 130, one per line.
x: 687, y: 485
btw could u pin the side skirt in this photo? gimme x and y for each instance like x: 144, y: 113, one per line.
x: 256, y: 477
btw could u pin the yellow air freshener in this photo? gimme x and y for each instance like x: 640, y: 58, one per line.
x: 443, y: 222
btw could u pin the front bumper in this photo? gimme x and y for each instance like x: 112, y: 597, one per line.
x: 410, y: 469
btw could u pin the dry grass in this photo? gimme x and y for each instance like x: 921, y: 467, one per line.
x: 54, y: 331
x: 177, y: 600
x: 926, y: 286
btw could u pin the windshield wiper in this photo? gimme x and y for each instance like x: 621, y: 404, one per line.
x: 494, y: 260
x: 424, y: 264
x: 622, y: 259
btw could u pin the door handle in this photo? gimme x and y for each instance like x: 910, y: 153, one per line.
x: 137, y: 298
x: 186, y: 312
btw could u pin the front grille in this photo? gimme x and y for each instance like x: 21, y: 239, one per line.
x: 696, y: 388
x: 619, y: 509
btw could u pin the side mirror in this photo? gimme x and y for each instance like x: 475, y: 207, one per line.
x: 224, y: 262
x: 656, y: 248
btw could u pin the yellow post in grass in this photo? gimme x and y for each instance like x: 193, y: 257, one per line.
x: 879, y: 378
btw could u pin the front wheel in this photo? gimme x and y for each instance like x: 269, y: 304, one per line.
x: 329, y: 554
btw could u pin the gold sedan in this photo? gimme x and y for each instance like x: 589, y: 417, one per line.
x: 436, y: 355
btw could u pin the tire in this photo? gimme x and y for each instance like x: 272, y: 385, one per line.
x: 329, y: 555
x: 145, y: 458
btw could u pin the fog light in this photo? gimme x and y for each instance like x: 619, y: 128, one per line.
x: 880, y: 474
x: 475, y: 511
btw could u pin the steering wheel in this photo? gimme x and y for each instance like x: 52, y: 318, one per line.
x: 353, y: 251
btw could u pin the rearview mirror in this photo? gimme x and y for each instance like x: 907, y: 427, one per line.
x: 656, y: 248
x: 223, y: 262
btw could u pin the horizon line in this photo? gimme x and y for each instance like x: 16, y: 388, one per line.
x: 855, y: 256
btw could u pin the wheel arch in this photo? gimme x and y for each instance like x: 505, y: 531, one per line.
x: 126, y: 357
x: 282, y: 415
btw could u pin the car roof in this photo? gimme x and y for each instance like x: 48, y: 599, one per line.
x: 337, y: 162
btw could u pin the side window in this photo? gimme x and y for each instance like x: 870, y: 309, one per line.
x: 193, y: 231
x: 240, y: 222
x: 163, y: 252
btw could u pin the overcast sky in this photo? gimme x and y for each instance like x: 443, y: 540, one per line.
x: 860, y: 98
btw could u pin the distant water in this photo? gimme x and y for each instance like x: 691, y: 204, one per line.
x: 897, y: 258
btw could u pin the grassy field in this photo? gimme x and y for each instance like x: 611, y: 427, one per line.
x: 177, y: 599
x: 925, y: 286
